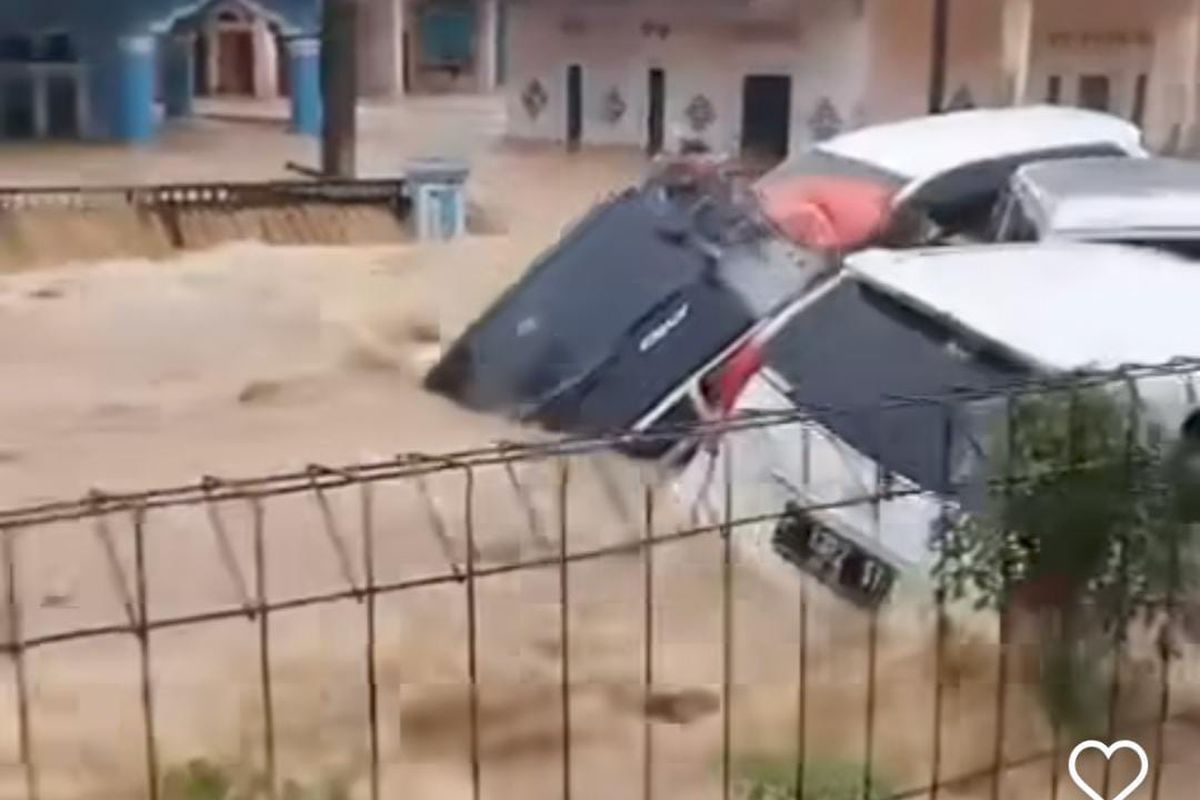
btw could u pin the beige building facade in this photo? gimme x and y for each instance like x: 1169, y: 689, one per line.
x: 779, y: 74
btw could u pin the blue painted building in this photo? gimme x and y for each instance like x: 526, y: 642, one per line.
x: 98, y: 69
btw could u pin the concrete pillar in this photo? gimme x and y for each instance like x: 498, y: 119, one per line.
x: 265, y: 56
x: 1187, y: 100
x: 380, y: 48
x: 1018, y: 48
x: 305, y: 69
x: 212, y: 57
x: 399, y: 17
x: 501, y: 42
x: 40, y: 92
x: 83, y: 105
x: 180, y: 79
x: 130, y: 97
x: 486, y: 40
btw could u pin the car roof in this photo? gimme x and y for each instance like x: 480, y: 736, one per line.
x: 1090, y: 197
x: 1062, y: 307
x: 924, y: 147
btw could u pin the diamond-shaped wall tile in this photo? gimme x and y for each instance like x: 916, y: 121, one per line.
x: 534, y: 98
x: 825, y: 121
x: 700, y: 113
x: 614, y: 106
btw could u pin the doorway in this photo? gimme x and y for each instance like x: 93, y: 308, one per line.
x: 1094, y: 91
x: 766, y: 117
x: 406, y: 62
x: 62, y: 107
x: 574, y: 105
x: 16, y: 107
x: 235, y: 66
x: 656, y: 111
x: 1137, y: 116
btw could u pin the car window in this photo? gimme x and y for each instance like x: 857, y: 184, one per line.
x: 1010, y: 222
x: 856, y: 352
x: 962, y: 200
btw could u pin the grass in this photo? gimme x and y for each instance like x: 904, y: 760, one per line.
x: 824, y: 779
x: 200, y: 779
x: 756, y: 778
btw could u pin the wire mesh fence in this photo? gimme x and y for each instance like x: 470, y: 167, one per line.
x: 785, y: 616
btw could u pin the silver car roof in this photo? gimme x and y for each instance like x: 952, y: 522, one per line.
x: 1111, y: 198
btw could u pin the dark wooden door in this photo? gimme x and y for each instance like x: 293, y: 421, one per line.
x: 574, y: 105
x: 656, y: 111
x: 235, y: 69
x: 766, y: 116
x: 1094, y: 92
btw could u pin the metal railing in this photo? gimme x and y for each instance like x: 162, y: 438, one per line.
x: 223, y: 194
x: 396, y: 527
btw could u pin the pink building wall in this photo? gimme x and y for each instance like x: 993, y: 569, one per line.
x: 870, y: 58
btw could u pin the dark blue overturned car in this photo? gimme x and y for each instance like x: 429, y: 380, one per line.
x: 644, y: 291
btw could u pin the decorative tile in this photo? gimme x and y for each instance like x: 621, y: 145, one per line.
x: 656, y: 30
x: 700, y: 113
x: 534, y: 98
x: 961, y: 100
x: 825, y: 122
x: 614, y: 106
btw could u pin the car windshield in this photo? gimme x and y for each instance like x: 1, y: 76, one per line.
x: 857, y: 350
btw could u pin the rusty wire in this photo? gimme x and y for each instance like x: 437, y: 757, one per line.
x: 414, y: 464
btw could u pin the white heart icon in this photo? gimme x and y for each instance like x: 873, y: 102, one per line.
x: 1108, y: 750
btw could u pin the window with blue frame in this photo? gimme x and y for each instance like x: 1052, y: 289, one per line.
x: 447, y: 31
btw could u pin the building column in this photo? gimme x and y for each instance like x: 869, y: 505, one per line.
x: 265, y: 68
x: 130, y: 99
x: 212, y: 57
x: 399, y: 18
x: 305, y: 70
x: 40, y: 94
x: 1018, y: 48
x: 486, y: 40
x: 180, y: 84
x: 1187, y: 139
x: 83, y: 105
x: 380, y: 49
x: 502, y: 42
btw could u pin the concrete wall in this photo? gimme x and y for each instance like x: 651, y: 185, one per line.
x: 821, y: 44
x: 1173, y: 116
x: 901, y: 33
x: 1068, y: 42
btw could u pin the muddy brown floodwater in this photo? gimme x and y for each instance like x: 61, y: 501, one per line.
x: 246, y: 359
